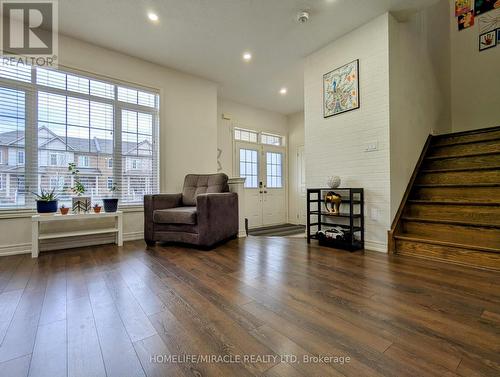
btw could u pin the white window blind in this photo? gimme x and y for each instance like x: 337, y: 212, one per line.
x: 50, y: 118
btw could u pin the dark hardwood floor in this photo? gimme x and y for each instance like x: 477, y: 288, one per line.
x: 254, y: 303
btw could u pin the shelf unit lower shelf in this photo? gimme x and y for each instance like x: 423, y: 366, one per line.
x: 350, y: 219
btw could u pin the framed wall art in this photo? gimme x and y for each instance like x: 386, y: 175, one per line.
x: 483, y: 6
x: 341, y: 89
x: 488, y: 40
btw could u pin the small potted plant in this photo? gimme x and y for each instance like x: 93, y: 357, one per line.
x: 80, y: 203
x: 64, y: 210
x: 111, y: 204
x: 97, y: 208
x: 46, y: 201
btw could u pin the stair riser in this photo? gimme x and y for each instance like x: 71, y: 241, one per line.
x: 479, y: 194
x: 479, y: 176
x: 477, y: 214
x: 484, y: 136
x: 483, y: 147
x: 461, y: 256
x: 466, y: 235
x: 463, y: 162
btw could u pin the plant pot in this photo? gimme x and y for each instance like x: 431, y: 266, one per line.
x: 97, y: 209
x: 110, y: 205
x: 43, y: 206
x: 64, y: 211
x: 81, y: 204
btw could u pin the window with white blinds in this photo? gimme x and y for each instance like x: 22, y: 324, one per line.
x: 51, y: 118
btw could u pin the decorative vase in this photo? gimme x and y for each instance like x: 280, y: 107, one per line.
x: 44, y: 206
x: 334, y: 182
x: 81, y: 204
x: 110, y: 205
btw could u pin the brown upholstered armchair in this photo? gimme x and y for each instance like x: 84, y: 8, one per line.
x: 204, y: 214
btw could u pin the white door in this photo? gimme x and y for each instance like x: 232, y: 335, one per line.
x: 274, y: 205
x: 301, y: 185
x: 263, y: 166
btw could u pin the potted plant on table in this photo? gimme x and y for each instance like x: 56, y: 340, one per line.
x: 80, y: 203
x: 97, y: 208
x: 64, y: 210
x: 46, y: 201
x: 111, y: 204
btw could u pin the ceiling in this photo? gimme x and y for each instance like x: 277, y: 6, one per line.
x: 207, y: 38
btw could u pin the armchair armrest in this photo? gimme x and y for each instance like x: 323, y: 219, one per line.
x: 217, y: 217
x: 154, y: 202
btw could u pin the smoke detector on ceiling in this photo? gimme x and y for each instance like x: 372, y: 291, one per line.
x: 303, y: 16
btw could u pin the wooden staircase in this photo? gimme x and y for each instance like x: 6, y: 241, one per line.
x: 451, y: 208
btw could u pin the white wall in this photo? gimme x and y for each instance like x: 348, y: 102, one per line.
x: 419, y: 90
x: 244, y: 116
x: 296, y: 206
x: 188, y: 121
x: 475, y: 81
x: 336, y: 145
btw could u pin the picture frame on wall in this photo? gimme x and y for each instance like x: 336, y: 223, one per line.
x: 483, y: 6
x: 462, y: 6
x: 341, y: 89
x: 488, y: 40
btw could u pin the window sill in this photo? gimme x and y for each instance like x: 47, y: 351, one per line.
x: 11, y: 213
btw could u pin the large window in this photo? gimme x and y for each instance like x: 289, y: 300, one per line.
x: 50, y: 118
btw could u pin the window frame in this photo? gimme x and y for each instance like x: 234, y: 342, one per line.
x: 31, y: 128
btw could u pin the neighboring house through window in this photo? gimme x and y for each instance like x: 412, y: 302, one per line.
x: 83, y: 161
x: 20, y: 157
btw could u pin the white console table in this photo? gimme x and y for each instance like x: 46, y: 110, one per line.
x: 37, y: 219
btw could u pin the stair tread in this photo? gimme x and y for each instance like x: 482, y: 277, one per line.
x: 450, y: 170
x: 451, y: 222
x: 417, y: 238
x: 449, y: 202
x: 475, y: 154
x: 457, y: 185
x: 465, y: 142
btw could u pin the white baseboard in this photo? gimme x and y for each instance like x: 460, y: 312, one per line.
x: 25, y: 248
x: 376, y: 246
x: 22, y: 248
x: 133, y: 236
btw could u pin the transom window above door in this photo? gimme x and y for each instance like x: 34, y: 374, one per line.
x: 251, y: 136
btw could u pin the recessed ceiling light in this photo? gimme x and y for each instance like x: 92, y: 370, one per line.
x: 247, y: 56
x: 283, y: 91
x: 153, y: 16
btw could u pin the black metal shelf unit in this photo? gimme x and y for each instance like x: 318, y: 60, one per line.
x: 351, y: 217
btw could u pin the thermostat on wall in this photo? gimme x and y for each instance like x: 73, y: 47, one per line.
x: 226, y: 116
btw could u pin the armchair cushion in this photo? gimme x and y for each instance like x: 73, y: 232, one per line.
x: 196, y: 184
x: 178, y: 215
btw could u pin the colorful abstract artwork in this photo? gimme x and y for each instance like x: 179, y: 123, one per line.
x: 483, y: 6
x: 465, y: 20
x: 487, y: 40
x: 341, y: 89
x: 462, y: 6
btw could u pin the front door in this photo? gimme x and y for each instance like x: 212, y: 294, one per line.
x: 263, y: 166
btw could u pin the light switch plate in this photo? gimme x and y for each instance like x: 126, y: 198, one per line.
x: 371, y: 147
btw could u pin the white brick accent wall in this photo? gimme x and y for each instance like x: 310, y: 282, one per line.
x: 336, y: 145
